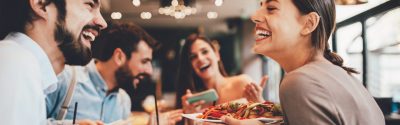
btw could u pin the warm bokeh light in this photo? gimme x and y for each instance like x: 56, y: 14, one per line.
x: 145, y: 15
x: 116, y: 15
x: 218, y: 2
x: 136, y: 3
x: 212, y: 15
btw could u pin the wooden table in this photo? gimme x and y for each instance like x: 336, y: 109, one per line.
x: 139, y: 118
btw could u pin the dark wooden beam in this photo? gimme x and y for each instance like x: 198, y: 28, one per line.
x: 334, y: 42
x: 364, y: 53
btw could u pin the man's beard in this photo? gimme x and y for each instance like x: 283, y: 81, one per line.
x: 75, y: 53
x: 125, y: 78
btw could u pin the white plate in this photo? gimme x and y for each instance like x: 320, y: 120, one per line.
x: 194, y: 117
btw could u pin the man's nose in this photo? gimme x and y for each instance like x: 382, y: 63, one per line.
x: 149, y: 70
x: 99, y: 21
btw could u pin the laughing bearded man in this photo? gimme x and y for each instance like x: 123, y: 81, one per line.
x: 40, y: 37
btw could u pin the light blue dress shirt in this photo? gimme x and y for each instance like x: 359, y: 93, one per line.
x: 26, y: 76
x: 91, y: 94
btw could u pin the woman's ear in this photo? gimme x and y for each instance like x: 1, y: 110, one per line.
x: 216, y: 48
x: 39, y: 8
x: 218, y: 55
x: 119, y: 57
x: 311, y: 22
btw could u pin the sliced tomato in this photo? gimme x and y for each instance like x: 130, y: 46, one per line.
x: 268, y: 102
x: 216, y: 114
x: 261, y: 110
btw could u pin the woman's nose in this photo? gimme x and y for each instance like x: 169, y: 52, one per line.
x: 201, y: 57
x: 257, y: 17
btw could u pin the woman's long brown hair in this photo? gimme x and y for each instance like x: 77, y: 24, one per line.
x: 187, y: 78
x: 320, y: 36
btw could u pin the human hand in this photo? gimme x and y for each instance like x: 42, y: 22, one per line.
x: 231, y: 121
x: 171, y: 117
x: 89, y: 122
x: 253, y: 92
x: 190, y: 108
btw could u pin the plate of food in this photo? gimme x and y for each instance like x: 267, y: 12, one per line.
x: 194, y: 117
x: 265, y: 112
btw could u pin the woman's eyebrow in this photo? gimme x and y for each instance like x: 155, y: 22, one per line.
x: 267, y: 1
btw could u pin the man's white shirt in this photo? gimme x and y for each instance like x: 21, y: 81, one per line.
x: 26, y: 77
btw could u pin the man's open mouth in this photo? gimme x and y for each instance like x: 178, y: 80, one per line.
x: 89, y: 34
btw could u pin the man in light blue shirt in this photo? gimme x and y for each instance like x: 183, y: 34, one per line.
x: 122, y: 53
x: 40, y: 37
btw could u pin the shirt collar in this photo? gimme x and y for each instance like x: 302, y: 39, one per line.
x: 95, y: 76
x: 49, y: 83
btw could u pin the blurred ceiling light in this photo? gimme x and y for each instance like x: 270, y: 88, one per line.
x: 145, y: 15
x: 350, y: 2
x: 177, y: 9
x: 218, y: 2
x: 174, y: 3
x: 116, y: 15
x: 212, y: 15
x: 179, y: 15
x: 136, y: 3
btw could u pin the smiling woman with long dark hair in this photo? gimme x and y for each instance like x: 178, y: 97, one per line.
x: 317, y: 89
x: 201, y: 69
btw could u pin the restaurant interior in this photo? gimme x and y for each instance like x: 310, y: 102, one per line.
x: 367, y: 36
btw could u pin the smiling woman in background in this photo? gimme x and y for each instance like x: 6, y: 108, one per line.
x: 201, y: 69
x: 317, y: 89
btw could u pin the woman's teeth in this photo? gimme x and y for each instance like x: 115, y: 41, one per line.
x: 88, y: 35
x: 203, y: 68
x: 260, y: 34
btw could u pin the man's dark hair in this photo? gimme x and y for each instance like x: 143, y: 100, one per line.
x: 125, y: 36
x: 16, y: 14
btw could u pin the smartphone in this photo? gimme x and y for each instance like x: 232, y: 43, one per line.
x: 208, y: 96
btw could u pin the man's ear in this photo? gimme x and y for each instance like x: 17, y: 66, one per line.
x: 39, y: 8
x: 311, y: 22
x: 119, y: 57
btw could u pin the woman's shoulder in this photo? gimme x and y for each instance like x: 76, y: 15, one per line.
x: 240, y: 79
x: 303, y: 85
x: 320, y: 73
x: 301, y: 81
x: 298, y: 76
x: 311, y: 71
